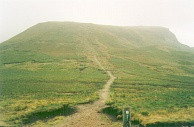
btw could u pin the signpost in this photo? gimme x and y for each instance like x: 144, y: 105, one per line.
x: 126, y: 117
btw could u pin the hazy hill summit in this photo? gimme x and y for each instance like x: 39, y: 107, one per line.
x: 68, y: 38
x: 64, y: 32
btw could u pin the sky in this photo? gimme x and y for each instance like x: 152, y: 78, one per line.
x: 177, y: 15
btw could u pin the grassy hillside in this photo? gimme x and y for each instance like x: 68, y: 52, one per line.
x: 51, y: 65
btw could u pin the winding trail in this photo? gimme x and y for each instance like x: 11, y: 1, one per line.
x: 89, y: 115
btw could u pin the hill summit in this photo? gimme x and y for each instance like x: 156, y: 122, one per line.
x: 52, y: 37
x: 128, y: 36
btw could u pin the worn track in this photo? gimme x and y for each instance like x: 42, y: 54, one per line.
x: 89, y: 115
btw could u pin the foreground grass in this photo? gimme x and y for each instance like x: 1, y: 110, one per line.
x: 29, y: 88
x: 159, y: 91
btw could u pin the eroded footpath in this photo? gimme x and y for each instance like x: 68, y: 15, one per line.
x: 89, y: 115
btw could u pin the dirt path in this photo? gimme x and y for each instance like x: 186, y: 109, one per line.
x: 89, y: 115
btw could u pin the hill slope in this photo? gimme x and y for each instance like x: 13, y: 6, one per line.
x: 55, y: 61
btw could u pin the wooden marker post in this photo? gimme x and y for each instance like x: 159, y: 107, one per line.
x: 126, y: 117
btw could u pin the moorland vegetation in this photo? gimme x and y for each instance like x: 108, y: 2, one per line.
x: 50, y: 68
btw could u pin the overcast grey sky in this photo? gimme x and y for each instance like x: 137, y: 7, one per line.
x: 177, y: 15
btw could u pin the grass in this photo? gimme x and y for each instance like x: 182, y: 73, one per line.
x: 160, y: 92
x: 24, y: 92
x: 50, y: 66
x: 37, y: 83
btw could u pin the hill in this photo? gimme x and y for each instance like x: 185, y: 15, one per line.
x: 51, y: 65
